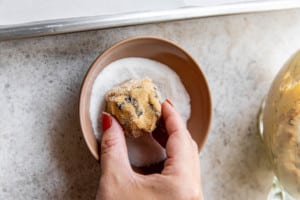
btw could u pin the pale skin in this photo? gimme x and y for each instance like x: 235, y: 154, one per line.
x: 179, y: 179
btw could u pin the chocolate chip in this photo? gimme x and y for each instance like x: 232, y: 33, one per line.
x: 151, y: 106
x: 134, y: 102
x: 128, y: 99
x: 120, y: 105
x: 139, y: 113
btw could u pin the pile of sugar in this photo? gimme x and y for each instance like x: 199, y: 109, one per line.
x: 143, y: 151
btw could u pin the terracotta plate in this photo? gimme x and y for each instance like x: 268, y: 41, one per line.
x: 162, y: 51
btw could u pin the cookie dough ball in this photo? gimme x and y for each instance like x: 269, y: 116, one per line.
x: 136, y: 106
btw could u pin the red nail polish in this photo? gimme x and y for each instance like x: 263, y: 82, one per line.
x: 106, y: 121
x: 169, y: 102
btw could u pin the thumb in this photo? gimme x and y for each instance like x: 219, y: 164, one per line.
x: 114, y: 157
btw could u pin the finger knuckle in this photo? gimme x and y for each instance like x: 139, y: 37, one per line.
x: 108, y: 143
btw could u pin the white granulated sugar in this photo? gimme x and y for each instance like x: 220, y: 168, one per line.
x: 145, y: 150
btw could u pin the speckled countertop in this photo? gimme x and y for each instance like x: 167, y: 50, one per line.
x: 42, y: 152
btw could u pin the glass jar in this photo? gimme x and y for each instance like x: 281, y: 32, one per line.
x: 279, y: 124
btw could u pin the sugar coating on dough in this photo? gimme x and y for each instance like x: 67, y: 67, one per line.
x: 144, y: 150
x: 136, y: 105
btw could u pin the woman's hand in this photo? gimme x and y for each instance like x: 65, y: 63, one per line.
x: 180, y: 178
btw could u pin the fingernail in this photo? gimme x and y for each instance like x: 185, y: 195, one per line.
x: 106, y: 121
x: 169, y: 102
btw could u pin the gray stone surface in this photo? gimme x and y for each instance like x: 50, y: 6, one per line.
x: 42, y: 152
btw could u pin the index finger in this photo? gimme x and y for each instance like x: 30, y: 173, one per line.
x: 173, y: 121
x: 179, y: 138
